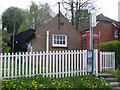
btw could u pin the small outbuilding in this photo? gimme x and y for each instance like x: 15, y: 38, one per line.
x: 21, y: 40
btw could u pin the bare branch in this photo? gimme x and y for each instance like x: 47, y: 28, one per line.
x: 77, y: 10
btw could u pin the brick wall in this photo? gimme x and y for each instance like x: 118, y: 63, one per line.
x: 73, y: 36
x: 106, y: 30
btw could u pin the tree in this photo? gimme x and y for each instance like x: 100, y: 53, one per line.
x: 34, y: 11
x: 12, y: 19
x: 38, y: 15
x: 0, y: 22
x: 25, y: 22
x: 78, y: 10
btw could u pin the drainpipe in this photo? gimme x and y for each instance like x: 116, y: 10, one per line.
x: 119, y: 11
x: 47, y: 41
x: 118, y: 21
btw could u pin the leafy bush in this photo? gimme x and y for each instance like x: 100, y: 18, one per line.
x: 5, y: 47
x: 86, y: 81
x: 112, y: 46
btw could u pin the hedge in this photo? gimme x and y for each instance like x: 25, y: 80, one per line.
x: 112, y: 46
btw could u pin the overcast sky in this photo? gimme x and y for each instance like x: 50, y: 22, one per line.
x: 109, y: 8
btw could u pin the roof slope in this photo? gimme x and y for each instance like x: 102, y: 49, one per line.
x: 56, y: 23
x: 101, y: 17
x: 24, y: 36
x: 85, y: 25
x: 21, y: 39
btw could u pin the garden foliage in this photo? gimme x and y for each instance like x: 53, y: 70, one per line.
x: 44, y: 82
x: 112, y: 46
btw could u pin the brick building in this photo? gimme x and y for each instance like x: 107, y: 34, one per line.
x: 105, y: 26
x: 62, y: 36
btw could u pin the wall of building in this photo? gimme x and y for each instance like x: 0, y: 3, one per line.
x: 73, y: 36
x: 107, y: 31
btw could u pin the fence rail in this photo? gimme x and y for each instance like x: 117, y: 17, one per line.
x: 53, y: 64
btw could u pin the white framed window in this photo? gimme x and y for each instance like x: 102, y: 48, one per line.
x: 116, y: 33
x: 59, y: 40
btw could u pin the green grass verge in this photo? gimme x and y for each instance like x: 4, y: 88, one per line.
x: 86, y: 81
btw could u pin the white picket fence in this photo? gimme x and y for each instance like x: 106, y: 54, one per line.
x: 50, y: 64
x: 107, y: 61
x: 53, y: 64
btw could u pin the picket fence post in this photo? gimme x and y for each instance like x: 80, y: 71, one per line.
x: 46, y: 64
x: 1, y: 61
x: 63, y: 63
x: 96, y: 62
x: 5, y: 64
x: 113, y: 60
x: 37, y: 63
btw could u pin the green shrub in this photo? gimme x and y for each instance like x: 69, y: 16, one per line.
x: 112, y: 46
x: 5, y: 47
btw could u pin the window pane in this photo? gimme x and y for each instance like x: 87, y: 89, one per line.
x: 60, y: 37
x: 61, y: 42
x: 63, y: 38
x: 55, y: 37
x: 55, y: 42
x: 95, y: 40
x: 116, y: 34
x: 58, y: 42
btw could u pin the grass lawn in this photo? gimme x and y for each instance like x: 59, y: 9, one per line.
x: 87, y: 81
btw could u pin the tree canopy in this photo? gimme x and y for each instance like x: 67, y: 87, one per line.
x: 12, y: 19
x: 38, y: 15
x: 18, y: 20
